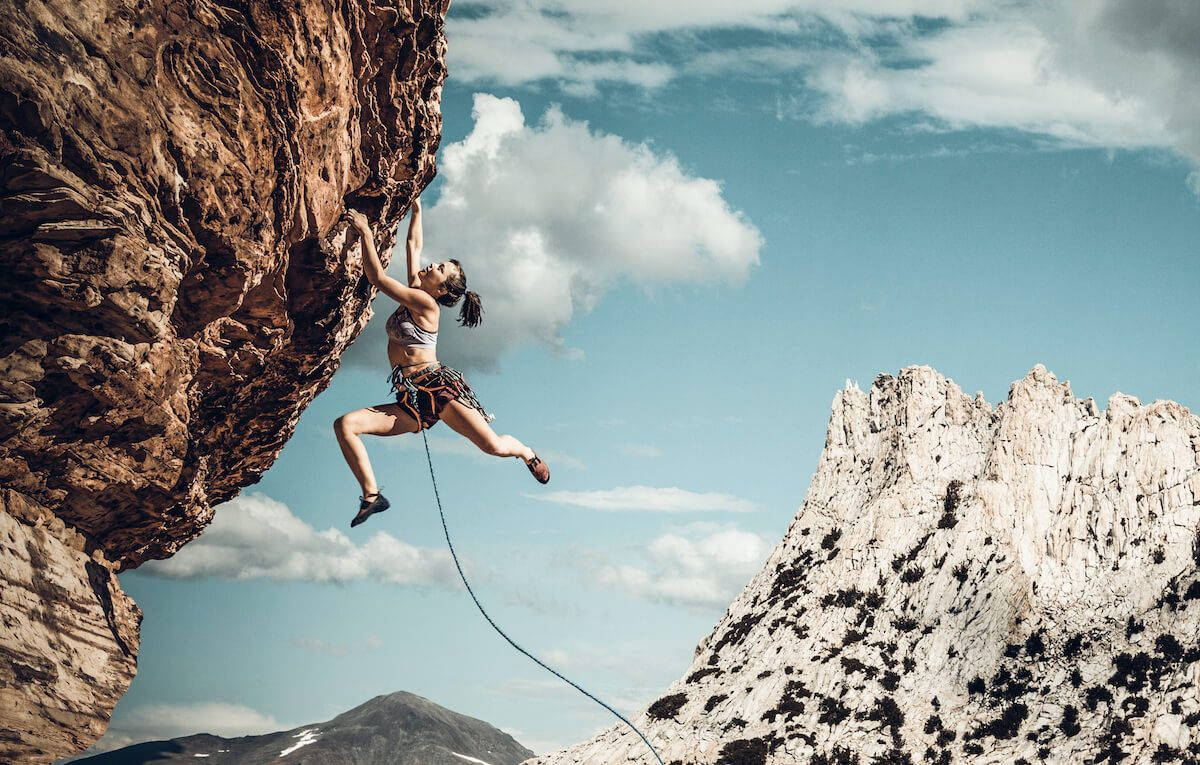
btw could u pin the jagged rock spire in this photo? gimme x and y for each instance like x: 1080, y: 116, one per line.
x: 962, y: 583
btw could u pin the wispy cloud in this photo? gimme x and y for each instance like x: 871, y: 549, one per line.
x: 664, y: 499
x: 1098, y: 73
x: 257, y: 537
x: 699, y: 566
x: 628, y: 701
x: 642, y: 451
x: 580, y: 44
x: 998, y: 74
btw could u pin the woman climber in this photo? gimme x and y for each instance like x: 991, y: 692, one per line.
x: 426, y: 390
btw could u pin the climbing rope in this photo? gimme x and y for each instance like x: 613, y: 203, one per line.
x: 433, y: 477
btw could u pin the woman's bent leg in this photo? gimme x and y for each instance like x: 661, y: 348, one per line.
x: 470, y: 423
x: 382, y: 420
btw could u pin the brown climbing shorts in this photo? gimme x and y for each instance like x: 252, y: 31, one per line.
x: 425, y: 393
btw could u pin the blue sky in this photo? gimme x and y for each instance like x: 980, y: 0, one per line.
x: 689, y: 229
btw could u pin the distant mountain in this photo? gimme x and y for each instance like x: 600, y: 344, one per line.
x: 396, y: 729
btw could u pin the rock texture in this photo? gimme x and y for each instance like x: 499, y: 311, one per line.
x: 962, y: 584
x: 175, y: 286
x: 70, y: 635
x: 397, y: 729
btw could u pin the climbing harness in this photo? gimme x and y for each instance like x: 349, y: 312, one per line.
x: 433, y: 385
x: 446, y: 531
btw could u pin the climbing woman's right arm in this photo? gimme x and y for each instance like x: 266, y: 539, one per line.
x: 372, y: 267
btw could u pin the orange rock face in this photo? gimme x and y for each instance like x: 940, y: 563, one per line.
x: 175, y: 286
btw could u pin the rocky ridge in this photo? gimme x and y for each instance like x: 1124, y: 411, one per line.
x: 962, y: 583
x: 175, y: 288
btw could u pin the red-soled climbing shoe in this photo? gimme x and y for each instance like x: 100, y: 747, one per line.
x: 539, y: 469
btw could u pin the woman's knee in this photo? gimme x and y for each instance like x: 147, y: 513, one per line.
x: 344, y: 426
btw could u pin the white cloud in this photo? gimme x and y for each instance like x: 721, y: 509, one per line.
x: 546, y: 218
x: 1106, y: 73
x: 642, y: 451
x: 579, y: 43
x: 156, y: 722
x: 999, y: 74
x: 373, y: 643
x: 701, y: 565
x: 1145, y: 50
x: 256, y: 537
x: 666, y: 499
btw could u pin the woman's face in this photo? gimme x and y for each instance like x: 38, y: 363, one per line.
x: 435, y: 275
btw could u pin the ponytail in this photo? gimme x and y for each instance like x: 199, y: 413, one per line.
x: 471, y: 313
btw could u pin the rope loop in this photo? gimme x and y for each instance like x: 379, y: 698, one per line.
x: 446, y: 531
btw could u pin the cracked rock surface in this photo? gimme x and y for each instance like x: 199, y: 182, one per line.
x: 175, y: 286
x: 71, y: 634
x: 963, y: 583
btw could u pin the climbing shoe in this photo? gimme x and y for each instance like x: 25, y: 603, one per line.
x: 539, y: 469
x: 367, y: 508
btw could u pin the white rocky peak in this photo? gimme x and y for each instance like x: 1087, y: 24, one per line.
x: 962, y: 584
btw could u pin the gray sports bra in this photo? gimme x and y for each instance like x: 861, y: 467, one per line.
x: 402, y: 329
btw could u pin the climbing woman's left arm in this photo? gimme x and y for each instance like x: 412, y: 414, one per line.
x: 414, y: 243
x: 376, y: 274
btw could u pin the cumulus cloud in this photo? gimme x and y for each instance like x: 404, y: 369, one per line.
x: 1103, y: 73
x: 700, y: 566
x: 256, y: 537
x: 157, y: 722
x: 546, y: 218
x: 1145, y: 47
x: 665, y: 499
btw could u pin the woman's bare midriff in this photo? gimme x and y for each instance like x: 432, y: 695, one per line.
x: 412, y: 359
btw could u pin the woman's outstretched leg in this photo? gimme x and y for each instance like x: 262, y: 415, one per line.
x: 382, y: 420
x: 470, y: 423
